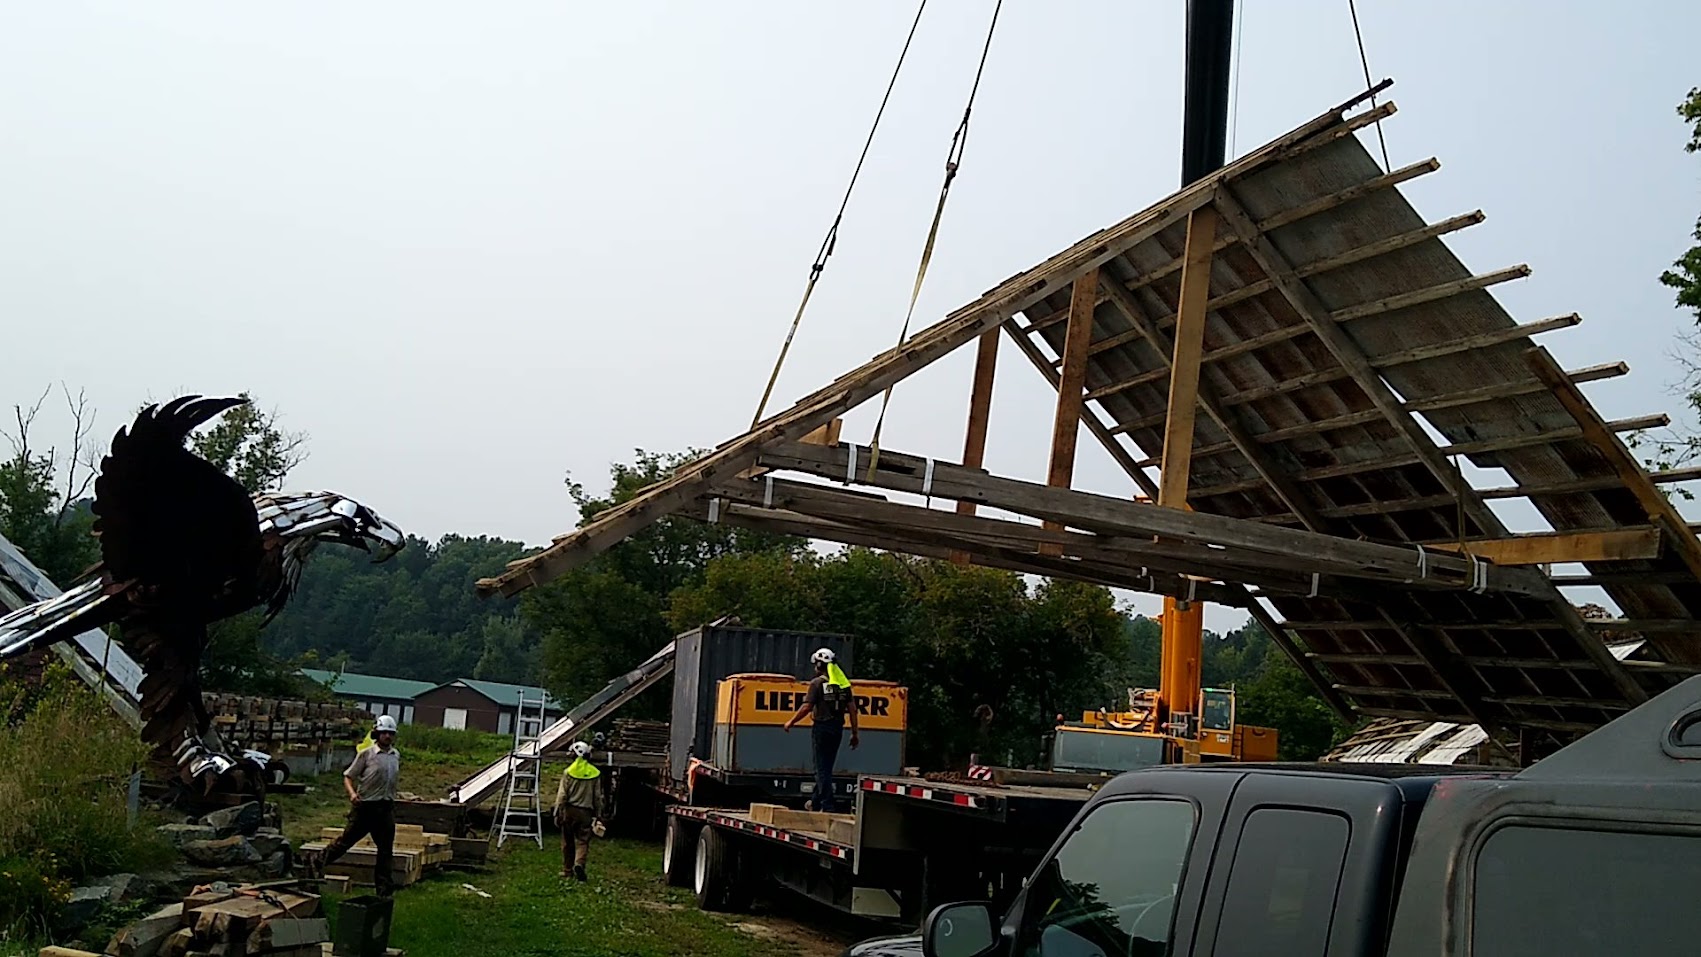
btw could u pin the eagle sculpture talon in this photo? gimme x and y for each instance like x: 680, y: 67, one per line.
x: 183, y: 546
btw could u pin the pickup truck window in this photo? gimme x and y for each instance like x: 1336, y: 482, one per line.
x: 1110, y: 890
x: 1562, y: 891
x: 1281, y: 890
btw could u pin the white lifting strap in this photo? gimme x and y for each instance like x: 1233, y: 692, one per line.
x: 927, y: 480
x: 714, y: 511
x: 768, y: 491
x: 850, y: 468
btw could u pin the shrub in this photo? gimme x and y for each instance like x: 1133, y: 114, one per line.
x: 65, y: 764
x: 28, y: 896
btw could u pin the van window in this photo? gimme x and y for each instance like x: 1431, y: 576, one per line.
x: 1282, y: 885
x: 1561, y: 891
x: 1110, y: 890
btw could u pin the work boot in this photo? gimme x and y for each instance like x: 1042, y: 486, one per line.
x: 579, y: 873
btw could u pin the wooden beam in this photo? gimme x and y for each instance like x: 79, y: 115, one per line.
x: 1184, y: 367
x: 1418, y: 297
x: 1552, y: 548
x: 1340, y: 197
x: 980, y: 416
x: 1072, y: 385
x: 1507, y: 390
x: 1290, y: 494
x: 1118, y: 452
x: 1114, y: 516
x: 1659, y: 509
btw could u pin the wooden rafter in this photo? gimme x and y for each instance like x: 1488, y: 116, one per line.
x: 1226, y: 420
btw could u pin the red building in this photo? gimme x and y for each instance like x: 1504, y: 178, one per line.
x: 485, y: 705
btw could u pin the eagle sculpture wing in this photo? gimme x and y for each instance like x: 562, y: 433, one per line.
x: 181, y: 540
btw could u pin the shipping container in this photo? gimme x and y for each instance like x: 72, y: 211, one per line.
x: 750, y: 735
x: 704, y: 656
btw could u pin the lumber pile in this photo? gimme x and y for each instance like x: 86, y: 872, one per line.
x: 252, y: 920
x: 839, y: 828
x: 415, y: 853
x: 633, y: 734
x: 274, y: 725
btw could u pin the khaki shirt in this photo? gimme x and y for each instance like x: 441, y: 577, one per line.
x: 583, y: 793
x: 374, y: 772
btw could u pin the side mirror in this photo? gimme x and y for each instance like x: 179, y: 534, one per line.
x: 959, y: 930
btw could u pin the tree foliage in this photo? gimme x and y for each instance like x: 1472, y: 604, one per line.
x: 42, y: 506
x: 1679, y: 445
x: 250, y: 447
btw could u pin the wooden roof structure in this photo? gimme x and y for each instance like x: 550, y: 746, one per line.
x: 1318, y: 359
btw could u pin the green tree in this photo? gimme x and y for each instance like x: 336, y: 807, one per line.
x: 1674, y: 447
x: 510, y: 654
x: 42, y: 506
x: 1685, y: 274
x: 585, y: 644
x: 250, y: 447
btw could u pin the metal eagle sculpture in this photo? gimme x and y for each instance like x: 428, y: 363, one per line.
x: 183, y: 545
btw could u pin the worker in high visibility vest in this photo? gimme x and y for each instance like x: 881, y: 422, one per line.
x: 578, y: 810
x: 828, y: 701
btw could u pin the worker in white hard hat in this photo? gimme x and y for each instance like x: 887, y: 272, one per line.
x: 827, y: 702
x: 371, y: 785
x: 578, y: 810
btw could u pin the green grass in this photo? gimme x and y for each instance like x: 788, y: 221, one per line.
x: 625, y: 909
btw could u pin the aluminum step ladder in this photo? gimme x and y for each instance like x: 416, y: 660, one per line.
x: 522, y: 807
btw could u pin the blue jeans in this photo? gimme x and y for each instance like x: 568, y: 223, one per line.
x: 824, y: 739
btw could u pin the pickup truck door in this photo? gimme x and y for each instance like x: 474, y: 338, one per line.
x: 1305, y: 867
x: 1126, y: 878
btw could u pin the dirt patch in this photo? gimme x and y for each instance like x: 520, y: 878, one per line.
x: 797, y: 937
x: 657, y: 905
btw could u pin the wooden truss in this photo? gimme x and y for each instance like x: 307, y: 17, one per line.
x: 1302, y: 360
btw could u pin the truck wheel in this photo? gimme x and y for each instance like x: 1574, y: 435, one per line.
x: 715, y: 875
x: 678, y: 850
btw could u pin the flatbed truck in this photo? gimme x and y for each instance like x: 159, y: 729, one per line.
x: 910, y: 843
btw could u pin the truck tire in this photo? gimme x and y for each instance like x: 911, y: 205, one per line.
x: 679, y: 848
x: 715, y: 875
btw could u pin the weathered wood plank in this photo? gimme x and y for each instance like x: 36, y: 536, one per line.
x: 1071, y: 386
x: 1552, y: 548
x: 1184, y: 367
x: 1094, y: 512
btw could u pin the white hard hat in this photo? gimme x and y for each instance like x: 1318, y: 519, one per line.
x: 580, y: 749
x: 385, y: 723
x: 822, y: 656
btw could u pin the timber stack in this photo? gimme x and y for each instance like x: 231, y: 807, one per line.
x: 274, y: 725
x: 276, y: 919
x: 633, y: 734
x: 415, y: 853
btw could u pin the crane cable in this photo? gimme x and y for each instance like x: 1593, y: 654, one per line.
x: 1352, y: 6
x: 953, y: 160
x: 831, y: 240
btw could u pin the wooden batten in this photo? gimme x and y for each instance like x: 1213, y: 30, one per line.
x: 1071, y: 387
x: 980, y: 417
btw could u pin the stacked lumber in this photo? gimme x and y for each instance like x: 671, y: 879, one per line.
x: 274, y: 725
x: 415, y: 852
x: 254, y: 920
x: 633, y: 734
x: 838, y: 828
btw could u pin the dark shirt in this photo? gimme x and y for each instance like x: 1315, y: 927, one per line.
x: 822, y: 711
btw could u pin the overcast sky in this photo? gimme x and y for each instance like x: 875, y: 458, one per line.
x: 469, y: 248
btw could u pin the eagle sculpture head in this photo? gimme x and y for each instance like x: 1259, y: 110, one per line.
x: 303, y: 518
